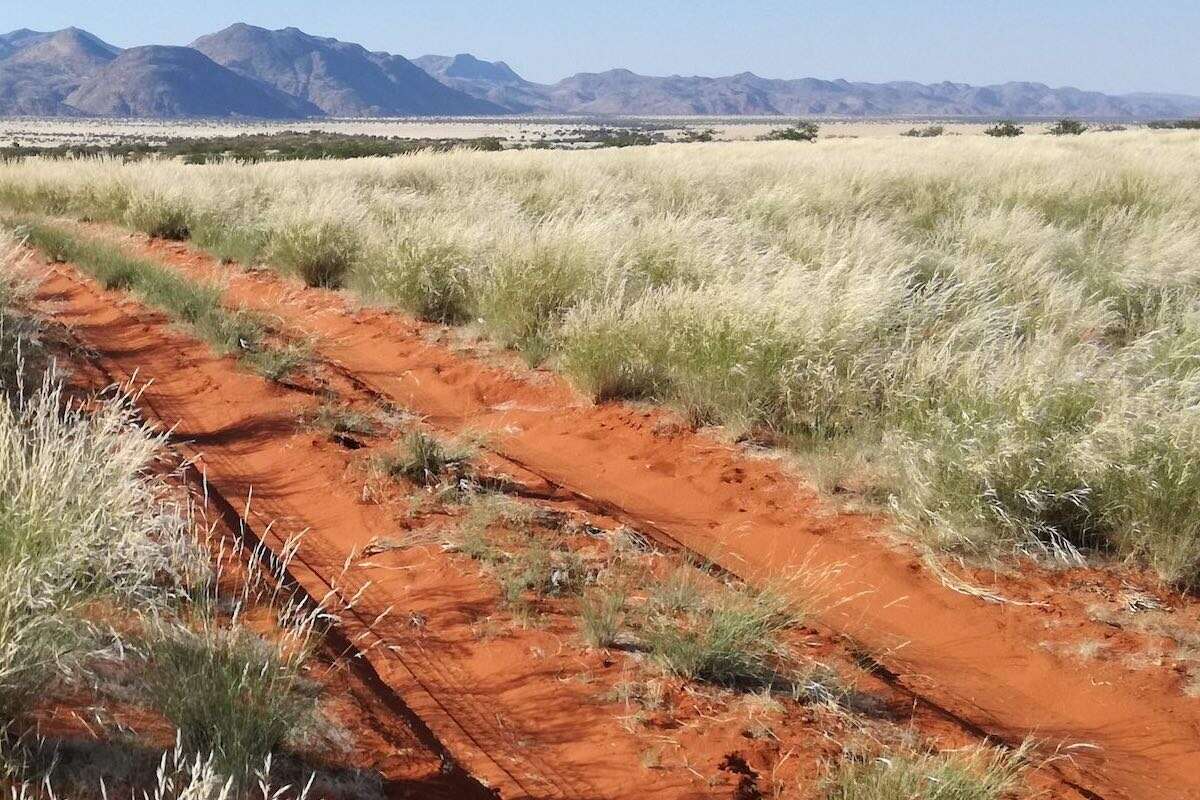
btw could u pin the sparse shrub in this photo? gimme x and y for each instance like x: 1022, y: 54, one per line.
x: 1004, y: 130
x: 802, y: 131
x: 974, y: 774
x: 1067, y: 127
x: 320, y: 252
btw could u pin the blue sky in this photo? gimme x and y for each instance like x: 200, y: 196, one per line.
x: 1109, y: 45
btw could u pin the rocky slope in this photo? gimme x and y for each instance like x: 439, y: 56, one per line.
x: 157, y: 81
x: 339, y: 78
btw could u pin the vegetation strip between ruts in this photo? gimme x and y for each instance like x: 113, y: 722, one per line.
x: 196, y: 305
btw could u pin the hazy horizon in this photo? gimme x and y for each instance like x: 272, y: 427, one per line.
x: 1101, y: 46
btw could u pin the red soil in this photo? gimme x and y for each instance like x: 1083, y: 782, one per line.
x: 524, y: 712
x: 1128, y: 734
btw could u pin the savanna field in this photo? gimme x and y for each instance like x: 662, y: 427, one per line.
x: 997, y: 338
x: 325, y: 439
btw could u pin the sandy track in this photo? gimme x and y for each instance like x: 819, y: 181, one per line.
x: 1129, y: 734
x: 505, y: 717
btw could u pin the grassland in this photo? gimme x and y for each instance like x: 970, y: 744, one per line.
x: 107, y: 588
x: 1001, y: 338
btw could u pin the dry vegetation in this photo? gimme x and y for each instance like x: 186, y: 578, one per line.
x: 1000, y: 335
x: 107, y: 588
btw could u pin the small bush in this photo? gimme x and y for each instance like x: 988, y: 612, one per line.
x: 228, y: 691
x: 1067, y: 127
x: 321, y: 253
x: 802, y: 131
x: 1004, y: 130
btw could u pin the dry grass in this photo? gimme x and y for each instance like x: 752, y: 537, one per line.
x: 1009, y: 329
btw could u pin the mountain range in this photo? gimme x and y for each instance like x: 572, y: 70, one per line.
x: 247, y: 71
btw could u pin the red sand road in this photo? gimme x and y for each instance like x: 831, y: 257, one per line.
x: 1130, y: 734
x: 510, y: 716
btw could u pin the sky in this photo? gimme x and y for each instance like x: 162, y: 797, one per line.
x: 1105, y: 45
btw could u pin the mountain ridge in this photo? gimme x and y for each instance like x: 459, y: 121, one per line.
x: 244, y: 70
x: 622, y: 91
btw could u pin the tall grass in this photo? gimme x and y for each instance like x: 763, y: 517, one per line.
x: 244, y: 696
x: 1006, y: 329
x: 86, y: 531
x: 79, y: 521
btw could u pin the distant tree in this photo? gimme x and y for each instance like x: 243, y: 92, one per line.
x: 1005, y: 130
x: 925, y: 133
x: 1067, y: 127
x: 802, y: 131
x: 1177, y: 124
x: 692, y: 135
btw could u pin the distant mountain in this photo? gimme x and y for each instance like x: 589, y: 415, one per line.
x: 41, y: 69
x: 339, y: 78
x: 493, y: 81
x: 622, y: 92
x: 254, y: 72
x: 157, y: 81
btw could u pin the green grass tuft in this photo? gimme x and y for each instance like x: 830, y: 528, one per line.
x: 229, y: 692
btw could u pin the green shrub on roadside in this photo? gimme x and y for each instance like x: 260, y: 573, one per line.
x: 321, y: 253
x: 228, y: 691
x: 158, y: 216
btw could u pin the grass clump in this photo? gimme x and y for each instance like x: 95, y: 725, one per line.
x: 541, y: 570
x: 426, y: 278
x: 424, y: 459
x: 229, y: 692
x: 338, y: 419
x: 976, y: 774
x: 601, y: 614
x: 158, y: 216
x: 322, y: 253
x: 731, y: 637
x: 229, y: 241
